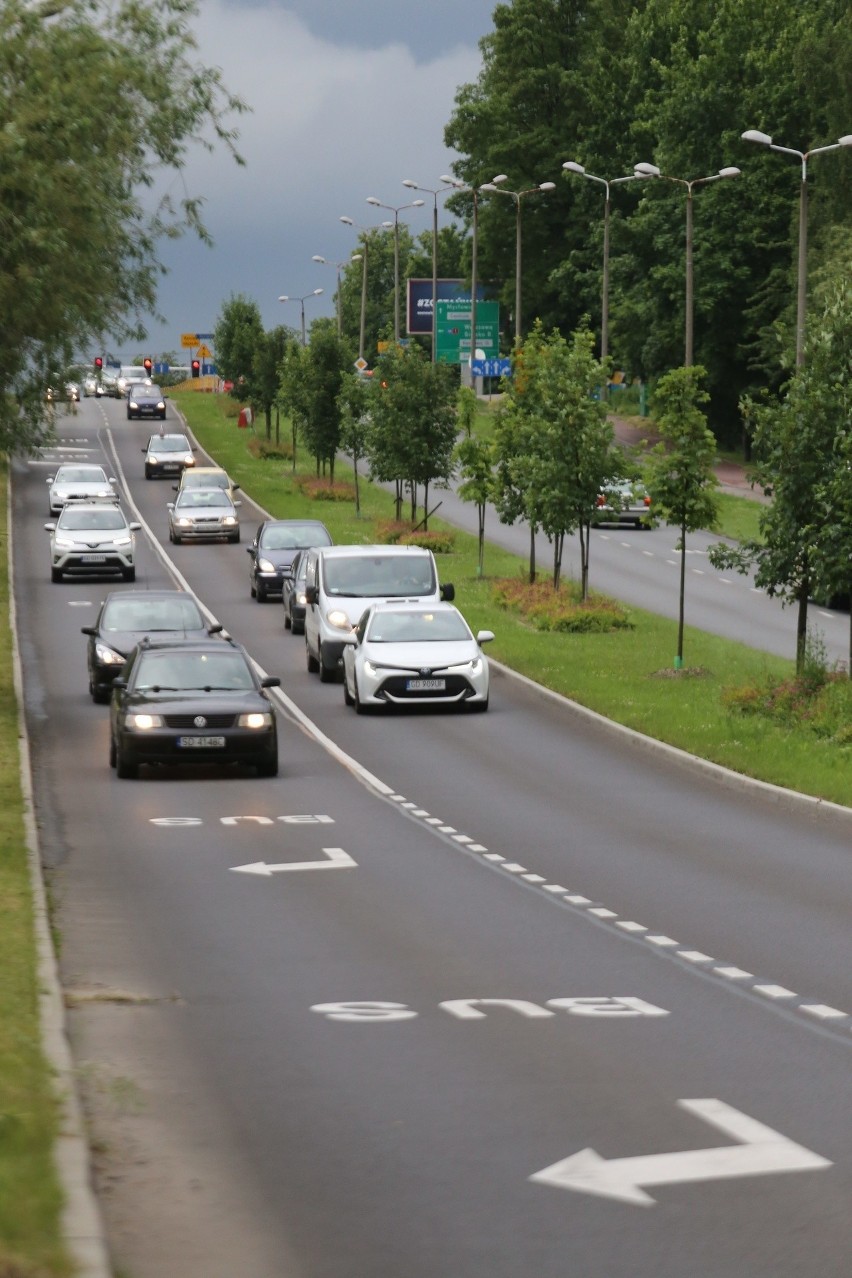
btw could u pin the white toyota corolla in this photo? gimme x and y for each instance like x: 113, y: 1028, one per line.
x: 404, y: 654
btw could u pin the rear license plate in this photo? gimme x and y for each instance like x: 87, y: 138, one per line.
x: 201, y: 743
x: 93, y: 559
x: 426, y: 685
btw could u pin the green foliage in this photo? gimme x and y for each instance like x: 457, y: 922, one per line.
x: 238, y: 335
x: 100, y: 104
x: 322, y: 372
x: 393, y: 533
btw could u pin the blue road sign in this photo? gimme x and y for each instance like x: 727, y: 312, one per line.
x: 491, y: 367
x: 161, y: 368
x: 208, y: 370
x: 204, y: 337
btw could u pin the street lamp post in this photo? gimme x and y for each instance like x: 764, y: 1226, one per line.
x: 473, y: 191
x: 366, y: 231
x: 571, y: 166
x: 356, y: 257
x: 651, y: 170
x: 285, y: 297
x: 415, y: 204
x: 517, y: 196
x: 434, y: 192
x: 763, y: 139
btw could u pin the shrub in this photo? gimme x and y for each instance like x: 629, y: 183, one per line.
x: 268, y: 450
x: 317, y: 489
x: 392, y: 533
x: 818, y: 700
x: 563, y: 610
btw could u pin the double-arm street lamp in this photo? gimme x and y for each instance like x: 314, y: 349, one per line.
x: 651, y: 171
x: 434, y: 192
x: 285, y: 297
x: 415, y: 204
x: 763, y: 139
x: 473, y: 191
x: 517, y: 196
x: 366, y: 231
x: 571, y: 166
x: 356, y: 257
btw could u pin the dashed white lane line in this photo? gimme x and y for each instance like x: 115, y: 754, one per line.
x: 822, y: 1013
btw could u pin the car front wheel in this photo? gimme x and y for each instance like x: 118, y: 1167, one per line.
x: 313, y: 664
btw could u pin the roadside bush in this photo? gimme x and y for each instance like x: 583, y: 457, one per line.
x: 317, y: 489
x: 820, y: 702
x: 564, y: 610
x: 390, y: 532
x: 268, y: 450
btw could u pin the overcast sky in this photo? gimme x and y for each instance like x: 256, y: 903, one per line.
x: 348, y: 98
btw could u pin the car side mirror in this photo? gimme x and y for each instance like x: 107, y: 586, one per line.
x: 235, y: 486
x: 310, y: 593
x: 170, y: 505
x: 120, y: 682
x: 350, y: 638
x: 50, y: 480
x: 448, y: 592
x: 175, y: 488
x: 143, y: 450
x: 88, y: 630
x: 112, y: 479
x: 134, y: 527
x: 484, y: 636
x: 215, y: 630
x: 251, y: 550
x: 270, y: 681
x: 50, y: 527
x: 238, y: 503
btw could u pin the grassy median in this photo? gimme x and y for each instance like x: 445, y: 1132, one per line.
x: 30, y: 1196
x: 626, y: 675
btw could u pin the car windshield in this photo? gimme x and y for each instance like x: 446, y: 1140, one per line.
x: 74, y: 519
x: 293, y: 536
x: 80, y: 475
x: 194, y: 671
x: 203, y: 497
x: 417, y: 627
x: 152, y: 614
x: 169, y: 444
x: 142, y: 388
x: 387, y: 576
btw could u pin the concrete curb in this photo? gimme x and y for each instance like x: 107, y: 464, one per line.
x: 82, y: 1223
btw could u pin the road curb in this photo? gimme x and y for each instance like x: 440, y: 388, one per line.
x: 82, y: 1222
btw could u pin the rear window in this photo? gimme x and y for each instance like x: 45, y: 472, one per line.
x: 380, y: 576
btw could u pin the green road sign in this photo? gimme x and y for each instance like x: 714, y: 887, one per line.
x: 453, y: 334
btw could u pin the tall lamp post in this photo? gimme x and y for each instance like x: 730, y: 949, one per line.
x: 651, y: 170
x: 415, y: 204
x: 434, y: 192
x: 473, y: 191
x: 517, y: 196
x: 571, y: 166
x: 356, y: 257
x: 366, y: 231
x: 763, y: 139
x: 285, y: 297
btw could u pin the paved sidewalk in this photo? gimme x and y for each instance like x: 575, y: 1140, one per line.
x: 732, y: 476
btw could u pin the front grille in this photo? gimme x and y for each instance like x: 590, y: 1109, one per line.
x: 184, y: 721
x: 395, y: 686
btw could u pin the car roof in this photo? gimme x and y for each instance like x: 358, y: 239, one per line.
x: 167, y: 434
x: 408, y: 605
x: 93, y: 507
x: 149, y: 594
x: 215, y: 644
x: 354, y: 552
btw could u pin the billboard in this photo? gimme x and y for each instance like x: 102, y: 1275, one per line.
x: 419, y: 307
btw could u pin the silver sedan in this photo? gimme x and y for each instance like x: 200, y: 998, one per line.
x: 203, y: 514
x: 404, y: 654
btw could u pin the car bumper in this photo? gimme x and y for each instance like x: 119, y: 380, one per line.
x: 272, y: 582
x: 219, y: 533
x: 392, y: 689
x: 87, y: 563
x: 159, y: 469
x: 164, y: 746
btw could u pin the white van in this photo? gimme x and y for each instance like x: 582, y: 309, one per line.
x: 342, y: 581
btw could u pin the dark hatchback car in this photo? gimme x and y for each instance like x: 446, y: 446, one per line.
x: 125, y: 618
x: 144, y: 399
x: 193, y: 703
x: 275, y: 547
x: 293, y: 595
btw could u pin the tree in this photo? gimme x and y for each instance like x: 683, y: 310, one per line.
x: 475, y: 458
x: 293, y: 389
x: 99, y: 105
x: 354, y: 400
x: 680, y: 477
x: 239, y: 335
x: 322, y: 372
x: 266, y: 375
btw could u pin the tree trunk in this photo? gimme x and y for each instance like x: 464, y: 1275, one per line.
x: 398, y: 500
x: 277, y: 425
x: 357, y: 489
x: 425, y: 506
x: 558, y: 543
x: 585, y: 543
x: 802, y: 624
x: 481, y: 513
x: 682, y: 595
x: 532, y: 554
x: 267, y: 412
x: 295, y: 432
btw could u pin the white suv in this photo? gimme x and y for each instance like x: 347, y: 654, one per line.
x: 91, y: 539
x: 341, y: 582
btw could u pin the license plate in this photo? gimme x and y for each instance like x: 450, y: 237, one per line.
x: 93, y: 559
x: 201, y: 743
x: 171, y: 466
x: 426, y: 685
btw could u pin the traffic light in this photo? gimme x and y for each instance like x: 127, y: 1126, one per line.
x: 196, y: 367
x: 147, y: 364
x: 98, y: 363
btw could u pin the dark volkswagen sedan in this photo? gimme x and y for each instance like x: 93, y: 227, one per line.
x: 274, y: 549
x: 193, y: 703
x: 125, y: 618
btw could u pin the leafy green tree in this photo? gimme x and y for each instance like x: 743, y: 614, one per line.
x: 475, y: 460
x: 292, y: 393
x: 354, y: 402
x: 266, y: 365
x: 239, y: 335
x: 323, y: 371
x: 99, y: 103
x: 680, y: 476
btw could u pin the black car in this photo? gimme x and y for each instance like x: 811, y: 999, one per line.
x: 274, y: 549
x: 125, y: 617
x: 167, y: 455
x: 191, y: 703
x: 144, y: 399
x: 293, y: 595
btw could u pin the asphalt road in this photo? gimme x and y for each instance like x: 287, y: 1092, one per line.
x: 531, y: 936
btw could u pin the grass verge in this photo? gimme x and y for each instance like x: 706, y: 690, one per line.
x: 626, y: 675
x: 30, y: 1195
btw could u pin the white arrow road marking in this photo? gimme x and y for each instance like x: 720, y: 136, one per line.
x: 761, y: 1152
x: 337, y: 860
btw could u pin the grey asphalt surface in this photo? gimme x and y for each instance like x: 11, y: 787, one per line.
x: 530, y: 855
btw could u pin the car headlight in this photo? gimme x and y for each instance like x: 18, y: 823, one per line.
x: 108, y: 656
x: 183, y: 522
x: 265, y: 566
x: 64, y: 543
x: 123, y: 541
x: 161, y: 406
x: 256, y: 719
x: 189, y: 460
x: 467, y: 667
x: 229, y: 520
x: 144, y: 722
x: 104, y: 492
x: 336, y: 617
x: 372, y: 669
x: 154, y: 460
x: 132, y: 403
x: 301, y: 598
